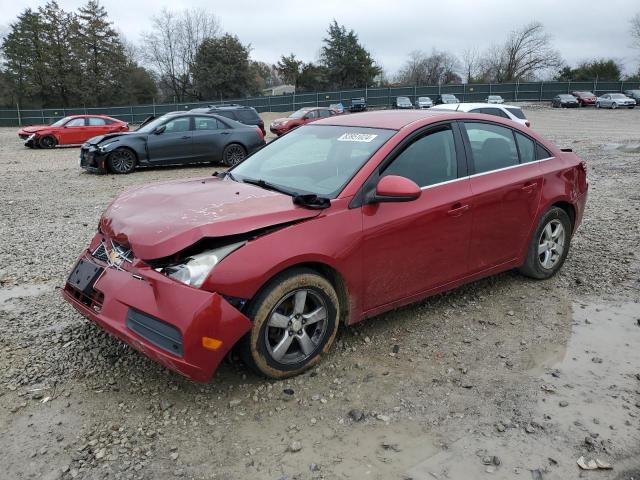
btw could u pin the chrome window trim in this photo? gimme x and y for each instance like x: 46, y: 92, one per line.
x: 468, y: 177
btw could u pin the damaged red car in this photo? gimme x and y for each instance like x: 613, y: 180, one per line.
x: 335, y: 222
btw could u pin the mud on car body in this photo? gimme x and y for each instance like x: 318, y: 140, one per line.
x: 332, y: 223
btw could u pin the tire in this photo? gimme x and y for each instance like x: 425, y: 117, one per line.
x: 273, y: 347
x: 233, y: 154
x: 48, y: 141
x: 614, y: 105
x: 542, y: 264
x: 122, y: 161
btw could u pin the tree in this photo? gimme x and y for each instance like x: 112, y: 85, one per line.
x: 100, y: 53
x: 221, y: 68
x: 313, y: 78
x: 289, y: 69
x: 597, y: 69
x: 525, y: 53
x: 173, y: 44
x: 349, y: 64
x: 470, y: 64
x: 433, y: 69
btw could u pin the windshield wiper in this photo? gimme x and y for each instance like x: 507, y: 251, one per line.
x: 269, y: 186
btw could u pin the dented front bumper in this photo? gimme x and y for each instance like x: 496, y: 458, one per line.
x: 171, y: 323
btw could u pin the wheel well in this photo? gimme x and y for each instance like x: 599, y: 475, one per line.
x: 124, y: 147
x: 334, y: 278
x: 570, y: 210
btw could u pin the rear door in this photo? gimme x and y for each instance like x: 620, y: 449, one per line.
x: 96, y: 126
x: 174, y: 144
x: 506, y: 183
x: 209, y: 138
x: 412, y: 247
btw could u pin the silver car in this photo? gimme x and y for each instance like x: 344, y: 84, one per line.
x: 615, y: 100
x: 494, y: 99
x: 424, y: 102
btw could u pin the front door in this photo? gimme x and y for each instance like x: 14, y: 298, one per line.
x: 412, y: 247
x: 505, y: 190
x: 174, y: 144
x: 74, y: 132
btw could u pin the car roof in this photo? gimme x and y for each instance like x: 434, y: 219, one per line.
x: 469, y: 106
x: 390, y: 119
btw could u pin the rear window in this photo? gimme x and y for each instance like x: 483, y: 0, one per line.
x: 517, y: 112
x: 247, y: 116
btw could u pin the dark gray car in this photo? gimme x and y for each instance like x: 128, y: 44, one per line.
x: 174, y: 138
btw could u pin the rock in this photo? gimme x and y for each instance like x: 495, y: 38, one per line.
x: 174, y: 456
x: 100, y: 454
x: 490, y: 469
x: 487, y: 460
x: 356, y: 414
x: 587, y: 464
x: 563, y: 403
x: 603, y: 465
x: 314, y: 467
x: 548, y: 388
x: 529, y: 428
x: 287, y: 394
x: 390, y: 446
x: 511, y: 313
x: 396, y: 349
x: 383, y: 418
x: 294, y: 446
x: 496, y: 460
x: 165, y: 404
x: 536, y: 474
x: 596, y: 360
x: 500, y: 427
x: 234, y: 403
x: 367, y: 340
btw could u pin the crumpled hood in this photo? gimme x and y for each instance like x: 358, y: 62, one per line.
x: 34, y: 128
x: 162, y: 219
x: 108, y: 136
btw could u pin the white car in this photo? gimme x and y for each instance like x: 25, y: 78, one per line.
x: 424, y: 102
x: 494, y: 99
x: 505, y: 111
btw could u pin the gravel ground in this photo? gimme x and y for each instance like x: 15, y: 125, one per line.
x: 503, y: 378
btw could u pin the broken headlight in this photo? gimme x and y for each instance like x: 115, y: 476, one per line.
x: 195, y: 268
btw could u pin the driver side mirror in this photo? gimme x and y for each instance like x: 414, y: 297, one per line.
x: 394, y: 188
x: 160, y: 129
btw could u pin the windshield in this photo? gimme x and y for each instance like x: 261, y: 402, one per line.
x: 617, y: 95
x: 424, y: 99
x: 494, y: 97
x: 318, y: 159
x: 586, y: 94
x: 403, y: 100
x: 151, y: 126
x: 300, y: 113
x: 61, y: 122
x: 566, y: 97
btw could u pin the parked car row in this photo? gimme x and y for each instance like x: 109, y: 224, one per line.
x: 628, y: 99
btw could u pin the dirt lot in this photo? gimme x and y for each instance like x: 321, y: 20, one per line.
x: 504, y: 378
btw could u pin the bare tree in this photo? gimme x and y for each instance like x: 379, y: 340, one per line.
x: 172, y: 44
x: 635, y: 30
x: 429, y: 69
x: 470, y: 63
x: 526, y: 52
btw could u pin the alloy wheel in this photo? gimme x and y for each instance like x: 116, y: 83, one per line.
x: 234, y: 154
x: 296, y: 326
x: 47, y: 142
x: 551, y: 244
x: 122, y: 161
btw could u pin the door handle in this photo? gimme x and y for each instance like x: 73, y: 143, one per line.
x: 186, y: 137
x: 457, y: 209
x: 529, y: 187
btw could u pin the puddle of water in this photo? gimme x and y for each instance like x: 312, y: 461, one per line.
x: 9, y: 295
x: 595, y: 373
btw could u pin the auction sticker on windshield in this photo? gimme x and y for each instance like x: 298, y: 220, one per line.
x: 356, y: 137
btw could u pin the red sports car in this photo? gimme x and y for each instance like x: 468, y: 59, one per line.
x: 300, y: 117
x: 330, y: 224
x: 71, y: 130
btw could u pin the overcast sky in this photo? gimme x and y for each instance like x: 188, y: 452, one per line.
x: 389, y: 30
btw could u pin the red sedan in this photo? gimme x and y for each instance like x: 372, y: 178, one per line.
x: 585, y: 98
x: 71, y: 130
x: 300, y: 117
x: 330, y: 224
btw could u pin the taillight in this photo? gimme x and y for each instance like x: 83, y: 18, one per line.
x: 260, y: 134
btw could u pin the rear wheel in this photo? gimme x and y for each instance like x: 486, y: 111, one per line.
x: 48, y: 141
x: 295, y: 322
x: 122, y: 161
x: 233, y: 154
x: 549, y: 245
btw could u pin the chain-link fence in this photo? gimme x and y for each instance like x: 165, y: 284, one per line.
x: 375, y: 98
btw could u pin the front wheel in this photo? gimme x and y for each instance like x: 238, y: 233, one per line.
x: 549, y: 245
x: 122, y: 161
x: 295, y: 320
x: 614, y: 105
x: 48, y: 141
x: 233, y: 154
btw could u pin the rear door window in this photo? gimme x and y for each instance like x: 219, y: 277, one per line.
x: 493, y: 147
x: 247, y: 116
x: 96, y: 122
x: 323, y: 113
x: 526, y: 147
x: 207, y: 123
